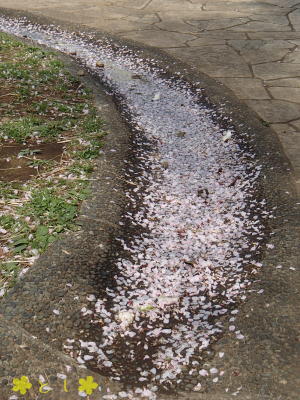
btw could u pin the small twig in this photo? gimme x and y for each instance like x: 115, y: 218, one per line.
x: 9, y: 94
x: 124, y: 180
x: 16, y: 261
x: 5, y: 169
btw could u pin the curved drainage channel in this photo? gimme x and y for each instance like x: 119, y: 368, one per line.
x: 194, y: 203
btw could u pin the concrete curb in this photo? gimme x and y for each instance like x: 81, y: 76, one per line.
x: 25, y: 355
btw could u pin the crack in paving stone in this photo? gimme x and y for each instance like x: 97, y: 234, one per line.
x: 198, y: 219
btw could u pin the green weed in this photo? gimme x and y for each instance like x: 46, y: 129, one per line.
x: 7, y: 43
x: 9, y: 190
x: 36, y: 163
x: 28, y: 152
x: 30, y: 127
x: 82, y: 167
x: 48, y: 208
x: 92, y: 123
x: 7, y: 222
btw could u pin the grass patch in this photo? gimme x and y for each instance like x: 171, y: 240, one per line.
x: 49, y: 118
x: 32, y: 128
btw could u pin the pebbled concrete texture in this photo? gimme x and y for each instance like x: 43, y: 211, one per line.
x: 266, y: 364
x: 248, y: 45
x: 23, y: 354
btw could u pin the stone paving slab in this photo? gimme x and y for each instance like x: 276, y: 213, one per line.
x: 227, y: 40
x: 275, y: 111
x: 246, y: 88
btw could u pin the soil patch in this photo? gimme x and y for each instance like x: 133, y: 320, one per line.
x: 19, y: 162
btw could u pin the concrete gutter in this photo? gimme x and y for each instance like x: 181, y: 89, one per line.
x: 265, y: 365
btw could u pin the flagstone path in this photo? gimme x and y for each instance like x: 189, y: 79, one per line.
x: 252, y: 47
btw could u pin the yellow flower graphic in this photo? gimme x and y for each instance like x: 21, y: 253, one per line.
x: 87, y: 385
x: 21, y: 385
